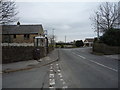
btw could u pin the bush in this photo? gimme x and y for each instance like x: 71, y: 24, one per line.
x: 62, y: 46
x: 111, y: 37
x: 79, y: 43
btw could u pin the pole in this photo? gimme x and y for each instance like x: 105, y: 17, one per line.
x: 65, y: 40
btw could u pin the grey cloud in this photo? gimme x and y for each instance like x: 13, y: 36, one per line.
x: 70, y: 19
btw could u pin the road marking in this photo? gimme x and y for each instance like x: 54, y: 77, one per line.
x: 51, y: 70
x: 97, y: 63
x: 51, y: 67
x: 61, y: 79
x: 74, y: 53
x: 65, y: 86
x: 104, y: 66
x: 58, y: 70
x: 81, y: 56
x: 51, y: 75
x: 63, y: 82
x: 51, y: 87
x: 60, y: 75
x: 52, y: 81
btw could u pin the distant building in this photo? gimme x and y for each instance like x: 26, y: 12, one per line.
x: 88, y: 42
x: 21, y: 33
x: 64, y: 45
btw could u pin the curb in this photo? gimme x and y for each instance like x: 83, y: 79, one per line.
x: 27, y: 68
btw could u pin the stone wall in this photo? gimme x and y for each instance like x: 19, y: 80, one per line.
x: 21, y: 53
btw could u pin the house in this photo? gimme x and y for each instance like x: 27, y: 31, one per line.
x: 88, y: 42
x: 21, y: 33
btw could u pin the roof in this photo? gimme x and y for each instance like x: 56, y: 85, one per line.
x: 89, y: 40
x: 22, y: 29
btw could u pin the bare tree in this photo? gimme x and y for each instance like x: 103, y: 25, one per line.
x: 106, y: 17
x: 52, y: 39
x: 8, y: 12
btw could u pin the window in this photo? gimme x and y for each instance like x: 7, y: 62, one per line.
x: 26, y: 36
x: 14, y: 36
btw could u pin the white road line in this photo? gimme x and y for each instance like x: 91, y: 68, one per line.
x: 60, y: 75
x: 61, y: 79
x: 51, y: 87
x: 63, y: 82
x: 65, y: 86
x: 81, y: 56
x: 74, y: 53
x: 51, y: 75
x: 51, y: 67
x: 51, y: 70
x: 58, y: 70
x: 52, y: 81
x: 104, y: 66
x: 97, y: 63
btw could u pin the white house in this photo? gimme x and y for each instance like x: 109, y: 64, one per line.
x: 88, y: 42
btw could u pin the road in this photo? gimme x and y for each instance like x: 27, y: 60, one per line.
x: 82, y: 69
x: 76, y: 68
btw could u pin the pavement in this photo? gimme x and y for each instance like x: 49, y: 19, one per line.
x: 26, y: 65
x: 115, y: 57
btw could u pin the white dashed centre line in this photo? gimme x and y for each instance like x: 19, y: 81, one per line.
x: 97, y: 63
x: 79, y: 55
x: 104, y: 65
x: 82, y: 57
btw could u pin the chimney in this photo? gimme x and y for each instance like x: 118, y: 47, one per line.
x: 18, y: 23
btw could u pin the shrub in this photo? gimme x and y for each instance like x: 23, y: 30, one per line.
x: 111, y: 37
x: 79, y: 43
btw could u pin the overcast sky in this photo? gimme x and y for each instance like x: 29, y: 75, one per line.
x: 70, y: 19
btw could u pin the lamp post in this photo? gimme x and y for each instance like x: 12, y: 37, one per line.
x: 65, y: 41
x: 53, y: 42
